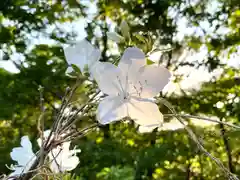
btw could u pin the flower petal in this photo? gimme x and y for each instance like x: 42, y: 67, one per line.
x: 130, y: 55
x: 19, y: 154
x: 67, y: 164
x: 23, y: 155
x: 45, y: 136
x: 144, y: 112
x: 146, y: 129
x: 17, y: 171
x: 62, y: 159
x: 29, y: 163
x: 111, y: 109
x: 26, y: 143
x: 66, y: 146
x: 152, y: 80
x: 70, y: 163
x: 82, y: 54
x: 132, y: 61
x: 55, y: 157
x: 109, y: 78
x: 172, y: 126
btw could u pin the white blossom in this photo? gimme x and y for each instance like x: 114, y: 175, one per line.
x: 129, y: 88
x: 82, y: 54
x: 61, y: 158
x: 24, y: 157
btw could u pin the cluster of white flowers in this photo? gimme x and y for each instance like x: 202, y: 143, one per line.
x: 130, y: 88
x: 61, y: 158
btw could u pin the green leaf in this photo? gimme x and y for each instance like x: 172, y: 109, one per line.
x: 140, y: 37
x: 149, y: 62
x: 76, y: 68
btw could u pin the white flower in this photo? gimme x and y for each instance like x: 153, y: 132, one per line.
x: 129, y: 88
x: 61, y: 158
x: 115, y: 37
x: 24, y: 157
x: 82, y: 54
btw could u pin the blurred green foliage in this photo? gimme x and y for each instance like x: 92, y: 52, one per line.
x: 119, y: 151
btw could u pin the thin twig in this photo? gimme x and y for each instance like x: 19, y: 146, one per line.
x: 46, y: 174
x: 55, y: 123
x: 52, y: 143
x: 203, y: 118
x: 73, y: 118
x: 54, y: 159
x: 230, y: 175
x: 34, y: 166
x: 59, y: 121
x: 41, y: 120
x: 76, y: 135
